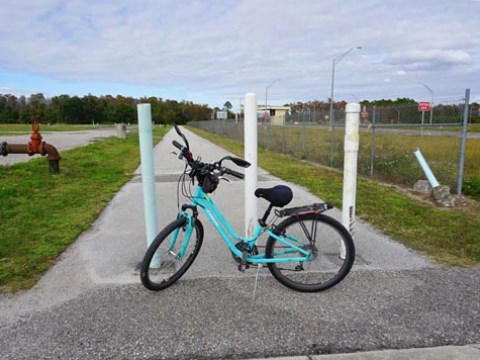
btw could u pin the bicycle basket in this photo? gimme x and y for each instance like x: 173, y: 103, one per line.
x: 209, y: 184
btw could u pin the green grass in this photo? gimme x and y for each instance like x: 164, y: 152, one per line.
x: 394, y: 163
x: 42, y: 213
x: 449, y: 236
x: 20, y: 129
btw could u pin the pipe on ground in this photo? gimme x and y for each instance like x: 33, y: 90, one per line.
x: 43, y: 149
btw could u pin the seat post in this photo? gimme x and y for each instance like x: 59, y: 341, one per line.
x: 263, y: 220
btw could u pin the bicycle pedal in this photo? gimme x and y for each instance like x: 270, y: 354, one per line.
x: 242, y: 267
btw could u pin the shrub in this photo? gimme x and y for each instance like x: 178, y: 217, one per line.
x: 471, y: 187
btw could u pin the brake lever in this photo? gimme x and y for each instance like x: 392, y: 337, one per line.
x: 180, y: 156
x: 222, y: 178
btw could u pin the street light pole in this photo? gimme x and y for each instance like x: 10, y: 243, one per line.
x: 239, y: 113
x: 431, y: 103
x: 332, y: 121
x: 266, y: 92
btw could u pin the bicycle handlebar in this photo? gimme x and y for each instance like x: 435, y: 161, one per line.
x: 234, y: 173
x: 198, y: 167
x: 177, y: 145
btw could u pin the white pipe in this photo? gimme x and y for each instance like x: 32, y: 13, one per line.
x: 251, y: 144
x: 426, y: 169
x: 352, y: 138
x: 148, y: 175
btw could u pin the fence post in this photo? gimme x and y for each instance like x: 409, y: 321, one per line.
x: 372, y: 141
x: 148, y: 175
x: 251, y: 146
x: 304, y: 135
x: 332, y: 136
x: 269, y: 134
x: 352, y: 138
x: 463, y: 143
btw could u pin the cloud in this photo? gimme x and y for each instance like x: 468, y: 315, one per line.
x: 214, y: 48
x: 435, y: 58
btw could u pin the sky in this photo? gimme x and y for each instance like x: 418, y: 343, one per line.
x: 213, y: 51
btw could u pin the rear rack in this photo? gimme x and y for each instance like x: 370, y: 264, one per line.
x: 314, y: 208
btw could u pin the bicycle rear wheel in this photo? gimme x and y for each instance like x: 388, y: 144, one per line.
x: 157, y: 276
x: 323, y: 237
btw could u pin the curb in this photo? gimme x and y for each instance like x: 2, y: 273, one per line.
x: 468, y: 352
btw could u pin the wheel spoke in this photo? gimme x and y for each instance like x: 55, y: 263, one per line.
x: 323, y: 269
x: 172, y: 266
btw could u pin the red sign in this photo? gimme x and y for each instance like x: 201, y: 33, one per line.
x: 364, y: 114
x: 424, y: 106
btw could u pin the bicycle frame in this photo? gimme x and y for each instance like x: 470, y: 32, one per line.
x: 214, y: 215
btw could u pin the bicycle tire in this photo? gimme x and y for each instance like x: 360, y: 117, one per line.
x: 329, y: 269
x: 171, y: 267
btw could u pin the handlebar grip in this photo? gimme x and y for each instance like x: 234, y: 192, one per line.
x: 234, y: 173
x: 177, y: 145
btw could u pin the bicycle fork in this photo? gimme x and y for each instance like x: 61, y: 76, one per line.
x: 187, y: 227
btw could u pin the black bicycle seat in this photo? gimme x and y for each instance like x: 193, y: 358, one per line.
x: 279, y: 195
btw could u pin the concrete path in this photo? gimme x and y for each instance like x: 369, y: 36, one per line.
x: 91, y: 304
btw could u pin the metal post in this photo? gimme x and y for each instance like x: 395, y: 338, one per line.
x: 431, y: 103
x: 148, y: 174
x: 423, y: 121
x: 251, y: 147
x: 463, y: 143
x: 352, y: 138
x: 372, y: 141
x: 332, y: 122
x: 268, y: 132
x: 304, y: 136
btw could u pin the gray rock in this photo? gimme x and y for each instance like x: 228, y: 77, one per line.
x: 423, y: 186
x: 442, y: 197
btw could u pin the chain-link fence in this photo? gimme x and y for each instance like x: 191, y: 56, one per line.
x: 389, y: 135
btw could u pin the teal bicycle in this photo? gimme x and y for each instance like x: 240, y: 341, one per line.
x: 308, y: 251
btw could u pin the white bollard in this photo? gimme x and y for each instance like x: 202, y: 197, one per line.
x: 121, y: 131
x: 251, y: 144
x: 352, y: 138
x: 426, y: 169
x: 148, y: 174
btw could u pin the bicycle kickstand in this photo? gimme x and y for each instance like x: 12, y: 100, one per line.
x: 255, y: 285
x: 243, y: 264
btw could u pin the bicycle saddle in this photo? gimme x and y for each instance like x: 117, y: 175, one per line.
x: 279, y: 195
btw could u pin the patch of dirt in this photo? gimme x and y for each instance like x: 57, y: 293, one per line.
x: 460, y: 202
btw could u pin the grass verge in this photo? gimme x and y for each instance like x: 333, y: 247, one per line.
x: 449, y: 236
x: 21, y: 129
x: 41, y: 213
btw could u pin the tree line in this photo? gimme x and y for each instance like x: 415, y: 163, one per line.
x: 99, y: 110
x: 319, y: 105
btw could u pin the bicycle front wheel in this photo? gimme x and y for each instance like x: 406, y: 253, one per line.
x: 163, y: 263
x: 330, y: 247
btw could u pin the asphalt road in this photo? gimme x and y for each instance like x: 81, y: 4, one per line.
x: 216, y: 318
